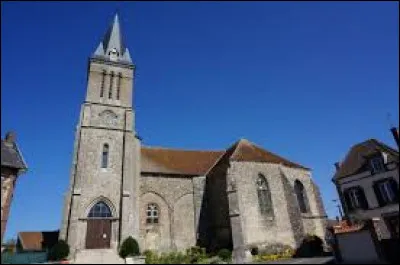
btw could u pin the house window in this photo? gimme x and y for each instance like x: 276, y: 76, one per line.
x: 355, y: 198
x: 377, y: 165
x: 152, y: 214
x: 301, y: 196
x: 264, y: 196
x: 104, y: 156
x: 386, y: 191
x: 100, y: 210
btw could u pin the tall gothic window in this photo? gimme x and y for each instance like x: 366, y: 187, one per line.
x: 100, y: 210
x: 111, y: 85
x: 119, y: 85
x: 152, y: 214
x: 264, y: 196
x: 103, y: 76
x: 301, y: 196
x: 104, y: 156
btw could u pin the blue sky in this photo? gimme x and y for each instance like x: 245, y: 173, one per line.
x: 305, y: 80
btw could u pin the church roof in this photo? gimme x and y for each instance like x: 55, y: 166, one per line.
x: 175, y: 161
x: 192, y: 162
x: 356, y: 159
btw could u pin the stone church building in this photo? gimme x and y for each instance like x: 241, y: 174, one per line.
x: 171, y: 199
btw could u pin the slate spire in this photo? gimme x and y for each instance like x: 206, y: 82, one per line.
x: 112, y: 47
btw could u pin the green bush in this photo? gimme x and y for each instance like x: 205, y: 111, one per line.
x: 225, y: 254
x: 195, y: 254
x: 59, y: 251
x: 129, y: 248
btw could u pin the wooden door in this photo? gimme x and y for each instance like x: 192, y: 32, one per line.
x: 98, y: 233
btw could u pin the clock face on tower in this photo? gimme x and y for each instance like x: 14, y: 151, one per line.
x: 109, y: 118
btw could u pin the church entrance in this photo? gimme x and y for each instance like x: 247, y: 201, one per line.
x: 98, y: 233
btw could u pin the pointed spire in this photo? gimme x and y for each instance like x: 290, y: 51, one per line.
x: 112, y: 46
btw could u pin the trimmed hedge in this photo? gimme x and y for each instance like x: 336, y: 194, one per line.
x: 129, y: 248
x: 59, y: 251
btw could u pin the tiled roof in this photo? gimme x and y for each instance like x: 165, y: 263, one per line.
x: 247, y: 151
x: 346, y: 227
x: 355, y: 160
x: 37, y: 241
x: 175, y: 161
x: 189, y: 162
x: 10, y: 156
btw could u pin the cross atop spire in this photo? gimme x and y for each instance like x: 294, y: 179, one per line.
x: 112, y: 46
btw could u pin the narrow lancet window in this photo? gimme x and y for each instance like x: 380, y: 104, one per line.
x: 119, y: 85
x: 111, y: 85
x: 103, y: 76
x: 104, y: 156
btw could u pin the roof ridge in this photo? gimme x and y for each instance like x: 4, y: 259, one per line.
x: 180, y: 149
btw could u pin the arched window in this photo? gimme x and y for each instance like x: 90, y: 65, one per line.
x: 100, y: 210
x: 111, y: 85
x: 119, y: 85
x: 152, y: 214
x: 104, y: 156
x: 264, y: 196
x: 301, y: 196
x: 103, y: 76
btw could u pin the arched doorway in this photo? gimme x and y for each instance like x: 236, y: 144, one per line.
x: 98, y: 233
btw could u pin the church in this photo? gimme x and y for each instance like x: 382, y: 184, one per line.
x: 170, y: 199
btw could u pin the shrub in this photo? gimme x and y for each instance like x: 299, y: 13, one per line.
x: 129, y: 247
x: 225, y: 254
x: 274, y: 249
x: 195, y: 254
x: 254, y: 251
x: 311, y: 246
x: 59, y: 251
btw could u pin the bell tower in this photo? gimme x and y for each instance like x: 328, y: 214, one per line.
x: 101, y: 204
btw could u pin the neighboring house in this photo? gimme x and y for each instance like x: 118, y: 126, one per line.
x: 36, y: 241
x: 367, y: 181
x: 12, y: 165
x: 171, y: 199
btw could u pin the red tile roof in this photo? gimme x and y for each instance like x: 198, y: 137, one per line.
x: 191, y: 162
x: 37, y: 241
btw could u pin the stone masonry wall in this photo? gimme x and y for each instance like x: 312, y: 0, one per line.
x: 176, y: 229
x: 283, y: 228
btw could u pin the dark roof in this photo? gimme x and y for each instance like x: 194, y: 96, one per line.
x: 356, y: 159
x: 10, y: 156
x: 190, y: 162
x: 37, y: 241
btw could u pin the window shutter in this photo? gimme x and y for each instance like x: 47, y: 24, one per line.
x: 361, y: 195
x: 378, y: 195
x: 348, y: 201
x: 395, y: 189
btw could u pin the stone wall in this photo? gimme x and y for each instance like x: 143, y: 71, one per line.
x: 8, y: 179
x: 173, y: 195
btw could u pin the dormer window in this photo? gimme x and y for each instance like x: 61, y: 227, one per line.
x: 377, y: 164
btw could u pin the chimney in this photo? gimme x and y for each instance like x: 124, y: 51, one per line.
x: 395, y: 133
x: 10, y: 137
x: 337, y: 166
